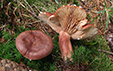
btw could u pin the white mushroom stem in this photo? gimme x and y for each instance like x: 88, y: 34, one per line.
x: 65, y: 46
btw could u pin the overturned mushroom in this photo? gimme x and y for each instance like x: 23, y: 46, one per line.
x: 34, y: 44
x: 70, y: 22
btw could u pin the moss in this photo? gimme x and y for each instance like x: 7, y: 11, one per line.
x: 85, y: 51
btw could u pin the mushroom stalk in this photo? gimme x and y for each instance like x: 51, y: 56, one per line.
x: 70, y: 22
x: 65, y: 45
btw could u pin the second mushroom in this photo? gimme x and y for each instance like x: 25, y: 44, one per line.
x: 70, y: 22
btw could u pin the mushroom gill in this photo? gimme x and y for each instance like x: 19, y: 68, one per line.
x: 70, y: 22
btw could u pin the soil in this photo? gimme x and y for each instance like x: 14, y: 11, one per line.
x: 91, y: 7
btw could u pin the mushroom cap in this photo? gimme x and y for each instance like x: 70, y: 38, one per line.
x: 34, y: 44
x: 72, y: 20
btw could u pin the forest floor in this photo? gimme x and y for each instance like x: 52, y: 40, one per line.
x: 16, y: 19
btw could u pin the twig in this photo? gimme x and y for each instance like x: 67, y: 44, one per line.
x: 19, y: 11
x: 105, y: 51
x: 14, y: 12
x: 33, y: 13
x: 3, y: 26
x: 8, y: 9
x: 43, y: 27
x: 32, y: 10
x: 8, y: 41
x: 24, y: 7
x: 36, y: 8
x: 30, y: 7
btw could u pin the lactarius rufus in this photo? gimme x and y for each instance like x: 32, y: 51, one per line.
x: 70, y: 22
x: 34, y: 44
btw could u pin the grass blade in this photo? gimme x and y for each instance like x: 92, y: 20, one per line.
x: 107, y: 21
x: 93, y: 20
x: 58, y: 3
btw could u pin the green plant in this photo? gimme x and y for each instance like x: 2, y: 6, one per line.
x: 109, y: 15
x: 85, y: 51
x: 8, y: 50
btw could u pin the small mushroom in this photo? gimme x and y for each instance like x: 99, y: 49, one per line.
x: 70, y: 22
x: 34, y: 44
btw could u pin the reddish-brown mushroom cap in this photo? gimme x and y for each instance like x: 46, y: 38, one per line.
x: 34, y: 44
x: 70, y: 22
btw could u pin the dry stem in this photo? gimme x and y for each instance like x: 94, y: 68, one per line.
x: 32, y: 12
x: 105, y: 51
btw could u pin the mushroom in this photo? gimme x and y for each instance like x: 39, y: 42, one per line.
x: 70, y: 22
x: 34, y: 44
